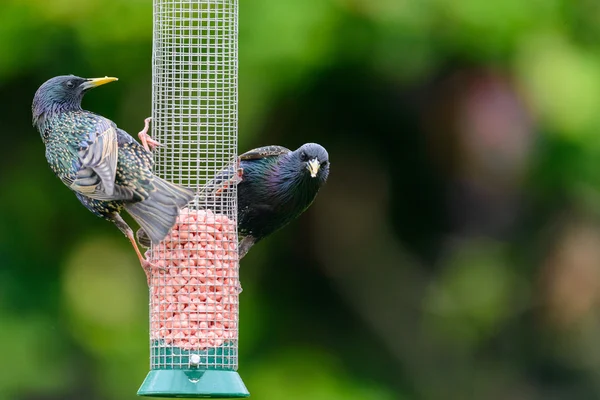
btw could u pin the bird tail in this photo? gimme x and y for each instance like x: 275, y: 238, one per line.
x: 157, y: 214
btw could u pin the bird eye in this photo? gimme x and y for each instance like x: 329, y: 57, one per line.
x: 303, y: 156
x: 324, y: 163
x: 70, y: 84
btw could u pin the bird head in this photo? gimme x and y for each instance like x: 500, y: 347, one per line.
x: 315, y: 160
x: 63, y: 93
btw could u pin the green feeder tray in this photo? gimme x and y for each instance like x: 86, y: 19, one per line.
x: 220, y: 381
x: 193, y: 383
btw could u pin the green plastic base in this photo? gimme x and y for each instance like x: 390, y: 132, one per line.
x: 193, y: 383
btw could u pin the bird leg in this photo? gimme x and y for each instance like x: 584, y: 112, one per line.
x: 128, y: 232
x: 245, y: 244
x: 147, y: 141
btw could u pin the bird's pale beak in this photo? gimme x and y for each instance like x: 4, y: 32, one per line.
x: 313, y: 167
x: 95, y: 82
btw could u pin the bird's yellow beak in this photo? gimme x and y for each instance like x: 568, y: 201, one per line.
x: 313, y: 167
x: 95, y: 82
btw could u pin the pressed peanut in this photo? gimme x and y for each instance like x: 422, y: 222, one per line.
x: 195, y: 300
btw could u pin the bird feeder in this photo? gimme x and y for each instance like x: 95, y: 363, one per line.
x: 194, y: 308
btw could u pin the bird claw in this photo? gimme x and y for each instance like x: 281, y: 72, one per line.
x: 150, y: 267
x: 240, y: 170
x: 237, y: 178
x: 240, y: 175
x: 147, y: 141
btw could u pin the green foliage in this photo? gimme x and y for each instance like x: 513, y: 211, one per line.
x: 474, y: 295
x: 34, y: 355
x: 308, y: 374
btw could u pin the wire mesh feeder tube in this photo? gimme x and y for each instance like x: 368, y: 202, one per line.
x: 194, y: 302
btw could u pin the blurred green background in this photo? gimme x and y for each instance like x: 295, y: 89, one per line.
x: 453, y: 254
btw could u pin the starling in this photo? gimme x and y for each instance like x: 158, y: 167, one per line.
x: 106, y: 168
x: 276, y: 186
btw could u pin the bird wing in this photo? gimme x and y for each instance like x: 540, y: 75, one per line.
x: 262, y: 152
x: 212, y: 191
x: 210, y: 194
x: 98, y: 155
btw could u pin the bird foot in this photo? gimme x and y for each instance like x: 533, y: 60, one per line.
x: 150, y: 267
x: 237, y: 178
x: 240, y: 170
x: 147, y: 141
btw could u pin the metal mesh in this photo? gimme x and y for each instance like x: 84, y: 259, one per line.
x: 194, y: 303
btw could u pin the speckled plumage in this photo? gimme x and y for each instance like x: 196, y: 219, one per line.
x: 276, y: 187
x: 63, y: 138
x: 106, y: 168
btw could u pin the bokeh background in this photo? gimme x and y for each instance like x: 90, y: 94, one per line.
x: 453, y: 254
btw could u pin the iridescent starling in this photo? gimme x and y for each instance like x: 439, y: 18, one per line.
x: 106, y: 168
x: 276, y: 186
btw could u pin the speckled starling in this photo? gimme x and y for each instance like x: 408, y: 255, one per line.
x: 276, y: 186
x: 106, y: 168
